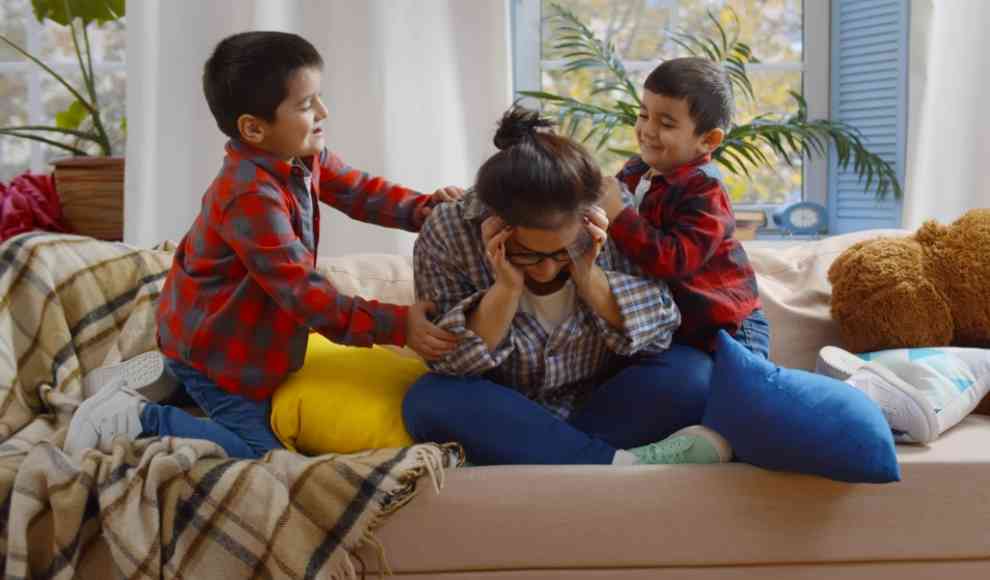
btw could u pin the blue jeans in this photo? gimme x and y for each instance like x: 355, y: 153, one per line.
x: 754, y: 334
x: 239, y: 425
x: 645, y: 401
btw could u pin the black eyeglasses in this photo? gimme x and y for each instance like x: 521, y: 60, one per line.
x: 534, y: 258
x: 562, y: 256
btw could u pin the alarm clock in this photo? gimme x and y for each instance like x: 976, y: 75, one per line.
x: 803, y: 217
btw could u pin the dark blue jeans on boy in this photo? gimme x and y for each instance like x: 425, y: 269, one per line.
x: 239, y: 425
x: 754, y: 334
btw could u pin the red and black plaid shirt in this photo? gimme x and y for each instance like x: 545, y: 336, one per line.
x: 243, y: 291
x: 683, y: 234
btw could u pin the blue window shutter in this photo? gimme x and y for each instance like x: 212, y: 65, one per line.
x: 868, y: 91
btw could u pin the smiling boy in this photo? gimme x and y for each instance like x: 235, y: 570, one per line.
x: 683, y: 229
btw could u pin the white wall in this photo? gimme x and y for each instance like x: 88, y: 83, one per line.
x: 414, y: 90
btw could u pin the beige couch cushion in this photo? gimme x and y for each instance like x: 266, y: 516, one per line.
x: 792, y: 278
x: 384, y: 277
x: 796, y: 295
x: 505, y: 518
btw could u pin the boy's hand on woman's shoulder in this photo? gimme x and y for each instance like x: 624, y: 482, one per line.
x: 428, y: 340
x: 448, y: 193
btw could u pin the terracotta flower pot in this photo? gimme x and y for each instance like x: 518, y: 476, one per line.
x: 92, y: 193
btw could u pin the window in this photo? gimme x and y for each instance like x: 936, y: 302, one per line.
x: 30, y: 96
x: 790, y: 37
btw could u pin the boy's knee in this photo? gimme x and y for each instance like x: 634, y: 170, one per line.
x: 262, y: 442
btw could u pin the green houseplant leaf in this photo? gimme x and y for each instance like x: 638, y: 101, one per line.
x: 72, y: 117
x: 63, y: 11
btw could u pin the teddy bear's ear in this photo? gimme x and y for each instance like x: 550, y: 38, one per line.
x: 841, y: 264
x: 930, y: 232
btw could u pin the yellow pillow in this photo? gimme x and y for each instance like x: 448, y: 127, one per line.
x: 344, y: 399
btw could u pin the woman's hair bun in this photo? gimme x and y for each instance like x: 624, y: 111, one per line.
x: 519, y: 124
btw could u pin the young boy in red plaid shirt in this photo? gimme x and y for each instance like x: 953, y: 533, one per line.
x: 244, y: 292
x: 683, y: 230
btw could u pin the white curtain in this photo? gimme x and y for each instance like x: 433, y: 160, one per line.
x: 414, y: 90
x: 948, y: 156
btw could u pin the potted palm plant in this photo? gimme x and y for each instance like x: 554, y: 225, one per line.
x: 90, y: 183
x: 614, y: 102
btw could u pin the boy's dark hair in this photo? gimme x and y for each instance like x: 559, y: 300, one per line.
x: 537, y: 177
x: 703, y: 83
x: 248, y: 74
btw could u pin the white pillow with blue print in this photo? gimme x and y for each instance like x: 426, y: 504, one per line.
x: 949, y: 382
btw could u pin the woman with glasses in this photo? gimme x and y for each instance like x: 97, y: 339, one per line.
x: 564, y: 347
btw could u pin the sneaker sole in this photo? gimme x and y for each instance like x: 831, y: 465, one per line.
x: 919, y: 405
x: 837, y: 363
x: 145, y: 374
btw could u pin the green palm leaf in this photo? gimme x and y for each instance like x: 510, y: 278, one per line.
x: 761, y: 142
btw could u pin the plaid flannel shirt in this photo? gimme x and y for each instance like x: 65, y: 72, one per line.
x: 243, y: 291
x: 682, y: 233
x: 556, y: 369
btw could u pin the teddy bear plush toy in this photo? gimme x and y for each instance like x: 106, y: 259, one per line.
x: 929, y: 289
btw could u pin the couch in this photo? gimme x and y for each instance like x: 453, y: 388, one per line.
x: 713, y: 522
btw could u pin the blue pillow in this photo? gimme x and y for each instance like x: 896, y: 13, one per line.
x: 792, y: 420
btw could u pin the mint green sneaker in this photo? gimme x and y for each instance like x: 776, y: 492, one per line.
x: 695, y: 444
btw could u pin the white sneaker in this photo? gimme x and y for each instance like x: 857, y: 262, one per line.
x: 837, y: 363
x: 114, y: 411
x: 908, y: 412
x: 145, y: 374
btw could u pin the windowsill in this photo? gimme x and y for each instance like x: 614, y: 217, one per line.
x: 779, y: 236
x: 754, y: 223
x: 781, y: 242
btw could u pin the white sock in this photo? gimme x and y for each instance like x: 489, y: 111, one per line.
x: 623, y: 457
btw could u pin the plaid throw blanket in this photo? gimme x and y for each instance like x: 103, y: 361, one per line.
x: 165, y: 507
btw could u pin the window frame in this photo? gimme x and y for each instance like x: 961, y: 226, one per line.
x: 816, y: 54
x: 34, y: 74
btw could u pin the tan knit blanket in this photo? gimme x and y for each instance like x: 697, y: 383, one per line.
x: 172, y: 508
